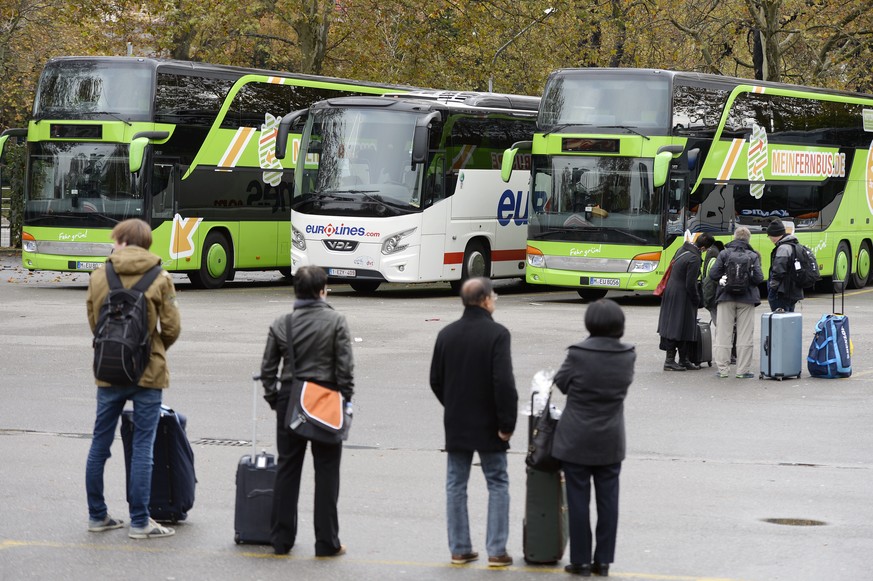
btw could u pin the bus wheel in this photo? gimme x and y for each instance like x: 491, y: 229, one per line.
x: 842, y: 264
x: 592, y: 294
x: 216, y: 263
x: 365, y: 286
x: 286, y: 272
x: 476, y: 261
x: 862, y: 268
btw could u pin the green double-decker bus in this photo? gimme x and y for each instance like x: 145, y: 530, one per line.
x: 188, y: 147
x: 625, y: 162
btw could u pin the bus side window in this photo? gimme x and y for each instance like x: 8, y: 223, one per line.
x: 162, y: 191
x: 434, y: 181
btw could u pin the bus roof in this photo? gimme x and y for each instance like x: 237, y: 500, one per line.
x: 705, y: 78
x: 220, y: 71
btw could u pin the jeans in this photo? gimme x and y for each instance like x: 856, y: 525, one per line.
x: 779, y: 303
x: 497, y: 480
x: 146, y: 413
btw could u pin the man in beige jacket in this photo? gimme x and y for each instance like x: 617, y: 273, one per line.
x: 130, y: 260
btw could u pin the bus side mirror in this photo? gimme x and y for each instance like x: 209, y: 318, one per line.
x: 509, y: 158
x: 4, y: 137
x: 662, y: 168
x: 420, y: 137
x: 285, y: 129
x: 138, y: 145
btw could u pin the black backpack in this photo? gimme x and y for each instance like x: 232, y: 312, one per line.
x: 738, y: 270
x: 805, y: 267
x: 122, y: 338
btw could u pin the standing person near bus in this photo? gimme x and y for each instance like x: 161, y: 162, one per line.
x: 677, y: 321
x: 736, y: 305
x: 322, y: 351
x: 782, y: 291
x: 590, y: 438
x: 131, y: 259
x: 471, y: 375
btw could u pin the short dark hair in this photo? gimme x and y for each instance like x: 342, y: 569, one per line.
x: 133, y: 232
x: 704, y: 240
x: 475, y: 291
x: 309, y: 281
x: 604, y: 318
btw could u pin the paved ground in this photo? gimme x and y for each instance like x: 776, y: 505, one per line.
x: 709, y: 460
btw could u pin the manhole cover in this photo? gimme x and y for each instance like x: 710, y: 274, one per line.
x: 795, y: 522
x: 220, y: 442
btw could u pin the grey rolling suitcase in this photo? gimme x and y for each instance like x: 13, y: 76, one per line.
x: 255, y: 479
x: 781, y: 345
x: 546, y: 522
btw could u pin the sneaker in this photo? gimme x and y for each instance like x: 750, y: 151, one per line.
x: 745, y: 375
x: 465, y: 558
x: 721, y: 375
x: 151, y: 531
x: 107, y: 524
x: 503, y: 560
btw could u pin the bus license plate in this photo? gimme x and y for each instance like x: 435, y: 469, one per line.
x: 88, y: 265
x: 594, y: 281
x: 343, y: 272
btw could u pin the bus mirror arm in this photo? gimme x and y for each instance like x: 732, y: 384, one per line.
x: 420, y: 137
x: 4, y: 137
x: 285, y: 129
x: 138, y: 144
x: 662, y: 163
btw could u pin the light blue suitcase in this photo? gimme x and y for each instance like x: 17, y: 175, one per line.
x: 781, y: 345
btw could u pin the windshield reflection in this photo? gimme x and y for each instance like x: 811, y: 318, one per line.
x: 594, y: 199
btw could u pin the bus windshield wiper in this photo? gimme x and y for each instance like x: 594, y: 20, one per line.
x: 368, y: 195
x: 628, y: 233
x: 111, y: 114
x: 564, y: 126
x: 626, y: 128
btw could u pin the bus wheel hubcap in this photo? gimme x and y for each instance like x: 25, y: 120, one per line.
x: 216, y: 260
x: 476, y: 266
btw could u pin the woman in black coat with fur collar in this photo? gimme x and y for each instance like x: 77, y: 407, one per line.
x: 590, y: 438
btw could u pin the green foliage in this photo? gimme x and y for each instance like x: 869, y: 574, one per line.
x: 14, y: 176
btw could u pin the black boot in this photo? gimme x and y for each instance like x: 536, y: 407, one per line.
x: 689, y: 365
x: 670, y: 363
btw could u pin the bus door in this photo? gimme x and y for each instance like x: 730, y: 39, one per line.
x: 164, y: 185
x: 677, y: 205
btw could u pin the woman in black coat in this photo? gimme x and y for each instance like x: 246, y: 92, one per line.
x: 590, y: 438
x: 677, y: 322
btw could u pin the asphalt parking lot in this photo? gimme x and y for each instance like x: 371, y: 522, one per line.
x: 726, y: 480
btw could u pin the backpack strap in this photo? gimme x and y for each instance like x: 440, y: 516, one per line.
x: 143, y: 284
x: 289, y: 343
x: 111, y: 277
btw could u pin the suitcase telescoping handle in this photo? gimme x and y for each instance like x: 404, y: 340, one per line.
x: 839, y: 287
x: 256, y: 378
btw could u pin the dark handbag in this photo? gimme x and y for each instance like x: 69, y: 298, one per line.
x: 541, y: 434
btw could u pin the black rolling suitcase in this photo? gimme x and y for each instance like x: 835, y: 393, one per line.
x: 255, y: 479
x: 173, y: 477
x: 701, y: 349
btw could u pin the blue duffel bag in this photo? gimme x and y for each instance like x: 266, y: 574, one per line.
x: 830, y: 354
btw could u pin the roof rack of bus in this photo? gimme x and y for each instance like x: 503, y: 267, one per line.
x: 474, y: 99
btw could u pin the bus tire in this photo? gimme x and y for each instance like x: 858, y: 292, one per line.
x: 861, y: 276
x: 477, y: 261
x: 842, y: 264
x: 592, y: 294
x: 216, y: 262
x: 286, y: 272
x: 365, y: 286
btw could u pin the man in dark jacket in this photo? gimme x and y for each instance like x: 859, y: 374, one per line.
x: 471, y: 375
x: 782, y: 292
x: 736, y: 308
x: 322, y: 351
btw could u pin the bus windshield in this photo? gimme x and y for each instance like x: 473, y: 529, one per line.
x: 594, y: 199
x: 69, y: 87
x: 364, y: 156
x: 80, y: 183
x: 605, y: 100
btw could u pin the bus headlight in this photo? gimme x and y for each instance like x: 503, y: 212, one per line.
x: 393, y: 243
x: 297, y: 239
x: 643, y: 263
x: 535, y: 257
x: 28, y: 243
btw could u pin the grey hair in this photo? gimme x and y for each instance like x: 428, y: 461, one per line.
x: 742, y: 233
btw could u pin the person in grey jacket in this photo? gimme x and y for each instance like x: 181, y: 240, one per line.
x: 736, y: 309
x: 322, y: 353
x: 782, y: 292
x: 590, y: 438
